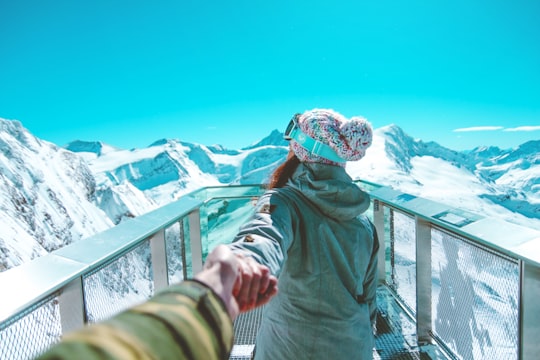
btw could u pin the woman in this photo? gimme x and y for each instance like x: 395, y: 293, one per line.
x: 309, y: 229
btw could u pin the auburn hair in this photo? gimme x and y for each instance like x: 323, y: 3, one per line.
x: 283, y: 173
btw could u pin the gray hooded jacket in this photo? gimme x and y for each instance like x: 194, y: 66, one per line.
x: 313, y: 236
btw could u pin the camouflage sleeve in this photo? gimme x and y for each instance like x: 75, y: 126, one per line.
x: 185, y: 321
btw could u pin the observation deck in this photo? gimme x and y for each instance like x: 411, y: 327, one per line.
x: 452, y: 284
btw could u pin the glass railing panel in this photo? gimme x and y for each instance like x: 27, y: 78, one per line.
x: 223, y: 219
x: 233, y: 191
x: 224, y: 211
x: 367, y: 186
x: 205, y: 212
x: 121, y: 283
x: 201, y: 194
x: 403, y: 257
x: 32, y: 331
x: 475, y: 299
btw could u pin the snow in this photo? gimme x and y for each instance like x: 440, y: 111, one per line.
x: 45, y: 196
x: 115, y: 159
x: 430, y: 175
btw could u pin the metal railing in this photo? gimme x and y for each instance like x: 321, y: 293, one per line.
x: 467, y: 280
x: 472, y: 283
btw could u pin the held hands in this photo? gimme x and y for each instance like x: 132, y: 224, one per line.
x: 241, y: 282
x: 255, y: 286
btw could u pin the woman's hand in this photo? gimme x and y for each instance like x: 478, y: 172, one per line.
x: 255, y: 285
x: 241, y: 282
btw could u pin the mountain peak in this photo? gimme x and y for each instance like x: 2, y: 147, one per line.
x: 275, y: 138
x: 532, y: 146
x: 10, y: 125
x: 15, y: 130
x: 95, y: 147
x: 392, y: 129
x: 164, y: 141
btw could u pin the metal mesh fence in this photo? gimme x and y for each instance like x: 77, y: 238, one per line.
x: 475, y: 299
x: 31, y: 332
x: 174, y: 240
x: 403, y: 257
x: 122, y: 283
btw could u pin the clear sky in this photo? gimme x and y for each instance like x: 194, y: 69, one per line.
x: 229, y: 72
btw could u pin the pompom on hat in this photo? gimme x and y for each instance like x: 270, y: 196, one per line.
x: 348, y: 138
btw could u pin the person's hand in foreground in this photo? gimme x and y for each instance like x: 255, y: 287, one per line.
x: 241, y: 282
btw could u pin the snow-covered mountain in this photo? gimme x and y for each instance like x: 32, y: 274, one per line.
x: 47, y: 197
x: 488, y: 181
x: 169, y: 168
x: 53, y: 196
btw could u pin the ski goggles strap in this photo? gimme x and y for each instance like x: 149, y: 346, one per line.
x: 315, y: 147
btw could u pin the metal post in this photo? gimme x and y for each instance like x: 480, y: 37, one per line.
x: 183, y: 246
x: 530, y: 311
x: 423, y: 281
x: 195, y: 241
x: 378, y: 221
x: 71, y: 306
x: 159, y: 260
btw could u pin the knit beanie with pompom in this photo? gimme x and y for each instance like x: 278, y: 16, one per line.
x: 349, y: 138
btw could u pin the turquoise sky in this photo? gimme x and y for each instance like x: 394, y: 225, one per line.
x: 229, y: 72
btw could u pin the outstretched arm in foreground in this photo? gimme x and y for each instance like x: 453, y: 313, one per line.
x: 190, y: 320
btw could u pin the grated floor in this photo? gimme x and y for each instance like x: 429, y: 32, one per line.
x: 395, y: 338
x: 245, y: 331
x: 396, y: 332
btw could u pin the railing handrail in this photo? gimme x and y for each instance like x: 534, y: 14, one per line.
x: 489, y: 232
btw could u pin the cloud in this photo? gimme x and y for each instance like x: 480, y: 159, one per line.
x: 479, y: 128
x: 524, y: 128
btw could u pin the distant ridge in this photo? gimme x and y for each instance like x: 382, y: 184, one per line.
x: 275, y: 138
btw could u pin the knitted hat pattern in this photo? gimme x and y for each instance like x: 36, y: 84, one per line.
x: 349, y: 138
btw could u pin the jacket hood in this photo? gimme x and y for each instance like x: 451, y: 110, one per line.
x: 331, y: 189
